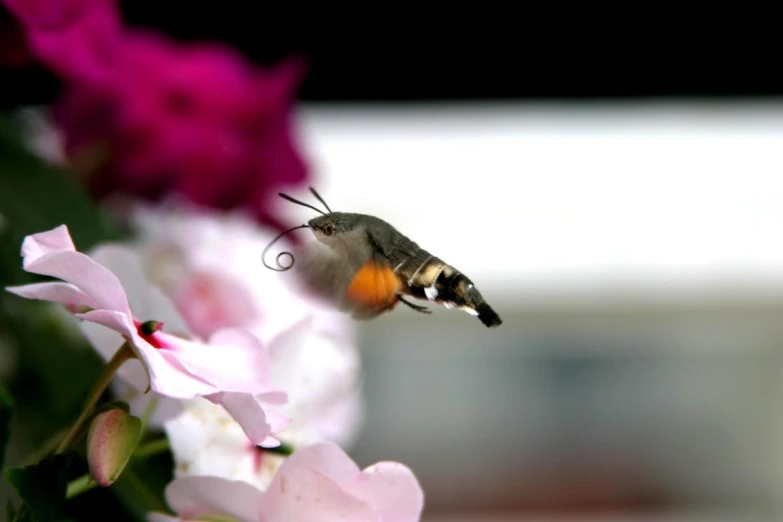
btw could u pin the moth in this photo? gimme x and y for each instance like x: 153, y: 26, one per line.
x: 366, y: 267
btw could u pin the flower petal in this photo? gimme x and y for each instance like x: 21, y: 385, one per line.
x: 164, y: 375
x: 58, y: 292
x: 306, y: 494
x: 326, y: 458
x: 106, y: 342
x: 161, y: 517
x: 234, y: 361
x: 78, y: 269
x: 114, y: 320
x: 147, y: 303
x: 393, y: 489
x: 197, y: 497
x: 247, y: 411
x: 37, y: 245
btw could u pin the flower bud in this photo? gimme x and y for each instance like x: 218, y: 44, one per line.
x: 111, y: 440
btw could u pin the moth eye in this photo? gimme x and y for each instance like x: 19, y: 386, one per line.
x: 329, y: 229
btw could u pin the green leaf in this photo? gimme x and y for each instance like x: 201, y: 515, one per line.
x: 36, y: 196
x: 42, y: 487
x: 6, y: 405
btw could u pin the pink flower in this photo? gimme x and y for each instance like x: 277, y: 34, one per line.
x: 195, y: 121
x: 76, y: 38
x: 48, y: 14
x: 319, y: 482
x: 230, y: 370
x: 208, y: 264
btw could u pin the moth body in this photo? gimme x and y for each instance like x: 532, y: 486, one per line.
x: 374, y: 266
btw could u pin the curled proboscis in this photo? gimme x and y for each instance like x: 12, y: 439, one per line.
x: 280, y: 266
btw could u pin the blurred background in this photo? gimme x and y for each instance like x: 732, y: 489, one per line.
x: 614, y: 191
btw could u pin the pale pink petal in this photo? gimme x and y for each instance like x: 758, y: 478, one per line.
x: 112, y: 319
x: 277, y: 421
x: 148, y: 303
x: 393, y: 489
x: 306, y: 494
x: 158, y: 307
x: 106, y: 342
x: 270, y: 442
x: 54, y: 240
x: 326, y: 458
x: 240, y: 365
x: 58, y: 292
x: 160, y: 517
x: 276, y: 398
x: 248, y: 413
x: 78, y: 269
x: 196, y: 498
x: 165, y: 378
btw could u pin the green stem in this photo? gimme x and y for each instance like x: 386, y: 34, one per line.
x: 151, y: 448
x: 123, y: 354
x: 149, y: 411
x: 80, y: 485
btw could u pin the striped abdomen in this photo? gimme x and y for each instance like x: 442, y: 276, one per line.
x: 425, y: 276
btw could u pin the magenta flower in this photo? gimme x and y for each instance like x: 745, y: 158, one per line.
x: 75, y: 38
x: 319, y: 482
x: 195, y: 121
x: 230, y: 370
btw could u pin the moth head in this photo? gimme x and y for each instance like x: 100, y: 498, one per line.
x: 330, y: 226
x: 325, y: 227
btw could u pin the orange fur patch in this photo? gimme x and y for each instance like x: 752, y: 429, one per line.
x: 373, y: 286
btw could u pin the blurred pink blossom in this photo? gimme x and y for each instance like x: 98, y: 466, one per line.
x: 49, y: 14
x: 319, y: 482
x: 195, y: 121
x: 209, y: 264
x: 151, y: 117
x: 75, y: 38
x: 230, y: 370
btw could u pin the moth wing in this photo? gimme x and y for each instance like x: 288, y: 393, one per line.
x: 363, y: 285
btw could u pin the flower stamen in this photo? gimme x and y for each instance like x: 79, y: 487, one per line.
x: 147, y: 331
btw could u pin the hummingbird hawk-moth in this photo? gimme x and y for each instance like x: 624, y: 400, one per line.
x: 368, y: 266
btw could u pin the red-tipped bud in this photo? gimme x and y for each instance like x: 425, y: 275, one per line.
x: 112, y: 438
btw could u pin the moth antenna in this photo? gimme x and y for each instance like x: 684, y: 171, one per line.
x: 281, y: 267
x: 318, y: 196
x: 292, y: 200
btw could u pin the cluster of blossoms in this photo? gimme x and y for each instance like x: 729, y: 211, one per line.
x: 236, y: 368
x: 151, y: 117
x: 254, y: 381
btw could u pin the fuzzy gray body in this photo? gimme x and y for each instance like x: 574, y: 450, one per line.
x: 356, y: 239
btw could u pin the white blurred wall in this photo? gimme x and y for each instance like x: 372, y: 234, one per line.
x: 634, y: 253
x: 540, y: 199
